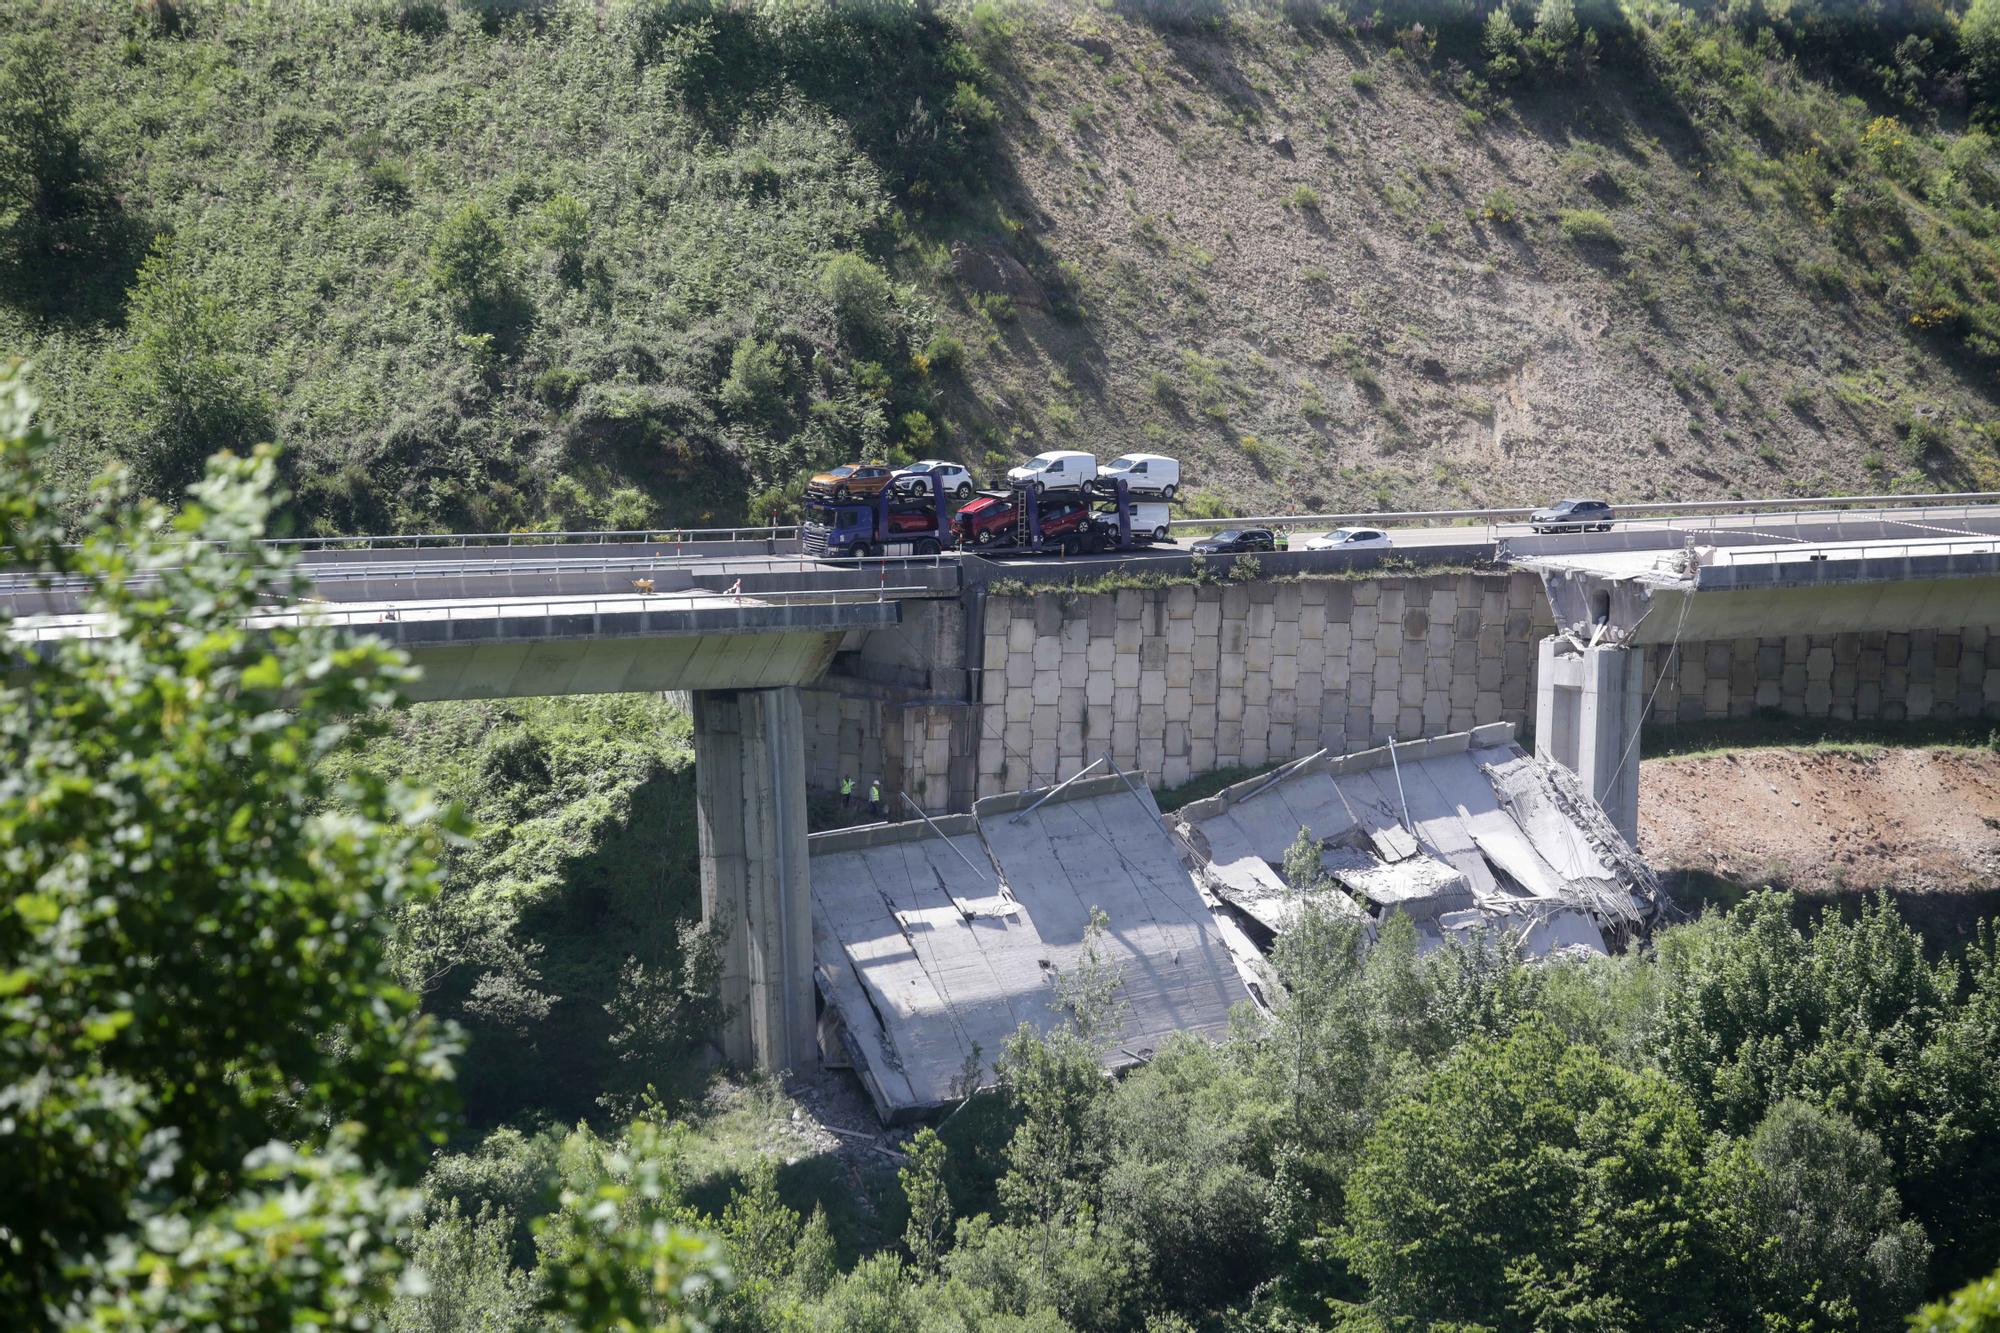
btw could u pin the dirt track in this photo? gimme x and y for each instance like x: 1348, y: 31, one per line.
x: 1818, y: 821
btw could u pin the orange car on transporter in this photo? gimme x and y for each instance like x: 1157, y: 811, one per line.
x: 853, y: 479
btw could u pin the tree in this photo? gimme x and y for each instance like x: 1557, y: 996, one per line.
x: 1974, y: 1308
x: 44, y: 168
x: 1851, y: 1018
x: 1837, y: 1252
x: 564, y: 225
x: 1193, y: 1138
x: 183, y: 384
x: 930, y: 1203
x: 758, y: 386
x: 216, y: 1095
x: 1979, y: 38
x: 465, y: 1281
x: 862, y: 298
x: 1531, y: 1184
x: 196, y: 972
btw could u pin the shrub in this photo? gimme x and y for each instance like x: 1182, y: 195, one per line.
x: 942, y: 354
x: 918, y: 432
x: 1502, y: 39
x: 1497, y: 207
x: 564, y: 226
x: 468, y: 255
x: 558, y: 386
x: 1304, y: 198
x: 387, y: 181
x: 1586, y: 226
x: 861, y: 296
x: 43, y: 165
x: 183, y: 389
x: 758, y: 386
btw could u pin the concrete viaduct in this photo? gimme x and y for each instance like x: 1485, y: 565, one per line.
x: 952, y: 678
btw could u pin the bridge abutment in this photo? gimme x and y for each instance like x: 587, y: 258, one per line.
x: 750, y: 801
x: 1589, y: 703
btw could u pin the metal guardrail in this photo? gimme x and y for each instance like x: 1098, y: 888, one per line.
x: 606, y: 537
x: 1509, y: 517
x: 329, y: 613
x: 1734, y: 556
x: 1663, y: 507
x: 336, y: 615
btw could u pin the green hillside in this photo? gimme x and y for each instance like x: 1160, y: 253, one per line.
x: 485, y: 265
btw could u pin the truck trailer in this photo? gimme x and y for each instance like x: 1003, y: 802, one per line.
x: 890, y: 523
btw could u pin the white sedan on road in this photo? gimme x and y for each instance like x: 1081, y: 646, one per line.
x: 1349, y: 539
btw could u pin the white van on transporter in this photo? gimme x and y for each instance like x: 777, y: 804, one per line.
x: 1145, y: 474
x: 1057, y: 470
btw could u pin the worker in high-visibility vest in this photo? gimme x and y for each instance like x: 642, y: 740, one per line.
x: 847, y: 792
x: 875, y: 797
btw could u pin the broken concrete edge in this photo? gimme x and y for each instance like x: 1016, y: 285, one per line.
x: 1492, y: 735
x: 1088, y: 789
x: 884, y: 835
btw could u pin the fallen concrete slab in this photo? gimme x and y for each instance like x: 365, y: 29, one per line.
x: 934, y: 941
x: 1460, y: 832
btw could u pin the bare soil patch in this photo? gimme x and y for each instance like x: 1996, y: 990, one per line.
x: 1827, y: 822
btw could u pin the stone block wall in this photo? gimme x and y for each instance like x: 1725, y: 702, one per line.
x: 924, y: 748
x: 1175, y: 682
x: 1902, y: 675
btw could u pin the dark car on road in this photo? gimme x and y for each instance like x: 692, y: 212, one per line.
x: 1573, y: 516
x: 1236, y: 541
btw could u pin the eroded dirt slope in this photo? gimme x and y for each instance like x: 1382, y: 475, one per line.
x: 1920, y: 820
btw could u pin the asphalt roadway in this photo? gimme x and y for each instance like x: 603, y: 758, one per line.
x: 392, y: 570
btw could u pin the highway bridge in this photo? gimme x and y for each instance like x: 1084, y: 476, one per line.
x: 745, y: 622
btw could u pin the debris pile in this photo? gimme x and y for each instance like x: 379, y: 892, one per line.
x: 1464, y: 832
x: 935, y: 940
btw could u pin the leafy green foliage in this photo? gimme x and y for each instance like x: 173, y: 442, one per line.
x: 465, y: 1279
x: 1973, y: 1309
x: 469, y: 256
x: 1531, y: 1184
x: 1854, y: 1019
x: 1838, y: 1252
x: 929, y: 1201
x: 197, y: 943
x: 58, y: 217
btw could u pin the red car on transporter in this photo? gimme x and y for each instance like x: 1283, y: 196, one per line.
x: 989, y: 521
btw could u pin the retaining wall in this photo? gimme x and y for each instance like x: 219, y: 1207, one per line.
x: 1178, y: 681
x: 1895, y: 676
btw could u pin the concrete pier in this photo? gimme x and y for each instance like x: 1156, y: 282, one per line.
x: 750, y: 800
x: 1588, y: 706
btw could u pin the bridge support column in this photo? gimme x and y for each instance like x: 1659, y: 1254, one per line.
x: 1588, y: 705
x: 750, y: 800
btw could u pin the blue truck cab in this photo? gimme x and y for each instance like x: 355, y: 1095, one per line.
x: 885, y: 524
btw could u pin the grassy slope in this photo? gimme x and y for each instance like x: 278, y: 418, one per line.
x: 1286, y: 253
x: 1281, y: 235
